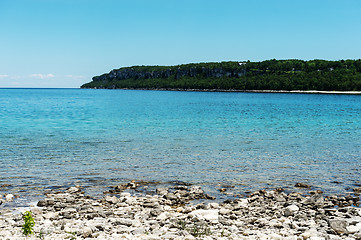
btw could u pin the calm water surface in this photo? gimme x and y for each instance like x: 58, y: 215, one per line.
x: 55, y: 138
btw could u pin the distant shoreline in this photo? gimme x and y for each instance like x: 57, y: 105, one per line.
x: 245, y: 91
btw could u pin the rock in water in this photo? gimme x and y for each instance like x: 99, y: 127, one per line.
x: 9, y: 197
x: 302, y: 185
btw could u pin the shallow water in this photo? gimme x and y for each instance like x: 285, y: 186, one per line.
x: 55, y: 138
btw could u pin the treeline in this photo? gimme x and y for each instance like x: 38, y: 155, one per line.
x: 343, y: 75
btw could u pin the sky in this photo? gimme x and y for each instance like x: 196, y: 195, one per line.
x: 64, y: 43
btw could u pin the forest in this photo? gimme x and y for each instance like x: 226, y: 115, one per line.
x: 293, y: 74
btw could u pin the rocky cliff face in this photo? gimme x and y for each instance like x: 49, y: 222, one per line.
x: 176, y: 73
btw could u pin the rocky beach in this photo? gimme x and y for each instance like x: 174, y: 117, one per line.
x: 186, y: 212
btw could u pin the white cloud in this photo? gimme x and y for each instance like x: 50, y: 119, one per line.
x: 4, y: 75
x: 75, y: 76
x: 42, y: 76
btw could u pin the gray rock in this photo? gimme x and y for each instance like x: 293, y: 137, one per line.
x: 338, y: 225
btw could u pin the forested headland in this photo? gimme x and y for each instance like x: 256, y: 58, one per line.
x: 320, y: 75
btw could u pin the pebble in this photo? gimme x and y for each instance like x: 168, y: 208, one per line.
x: 170, y: 215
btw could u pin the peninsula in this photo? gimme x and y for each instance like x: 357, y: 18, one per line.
x: 277, y: 75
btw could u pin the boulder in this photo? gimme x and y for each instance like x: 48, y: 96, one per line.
x: 338, y: 225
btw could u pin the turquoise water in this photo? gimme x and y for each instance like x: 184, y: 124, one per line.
x: 55, y: 138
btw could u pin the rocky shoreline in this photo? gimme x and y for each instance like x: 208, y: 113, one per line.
x: 243, y: 91
x: 171, y: 213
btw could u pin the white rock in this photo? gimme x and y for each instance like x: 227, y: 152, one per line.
x: 111, y: 199
x: 9, y: 197
x: 136, y: 223
x: 243, y: 202
x: 73, y: 190
x: 224, y: 211
x: 163, y: 216
x: 125, y: 221
x: 87, y: 232
x: 167, y: 208
x: 275, y: 223
x: 291, y: 210
x: 352, y: 229
x: 209, y: 215
x: 51, y: 215
x: 334, y: 237
x: 309, y: 233
x: 238, y: 223
x: 69, y: 229
x: 275, y: 236
x: 213, y: 205
x: 130, y: 200
x: 139, y: 231
x: 170, y: 235
x: 188, y: 237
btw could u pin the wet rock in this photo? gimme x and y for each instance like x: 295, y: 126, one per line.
x: 302, y: 185
x: 5, y: 185
x: 9, y: 197
x: 73, y: 189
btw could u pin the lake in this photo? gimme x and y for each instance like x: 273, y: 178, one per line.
x: 56, y: 138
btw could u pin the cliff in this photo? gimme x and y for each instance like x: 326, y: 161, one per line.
x: 343, y: 75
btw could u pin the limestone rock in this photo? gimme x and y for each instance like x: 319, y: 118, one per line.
x: 291, y: 210
x: 87, y: 232
x: 9, y: 197
x: 338, y: 225
x: 209, y: 215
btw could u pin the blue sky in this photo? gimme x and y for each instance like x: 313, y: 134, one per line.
x: 64, y: 43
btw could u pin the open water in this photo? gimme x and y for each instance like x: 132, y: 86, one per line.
x: 56, y: 138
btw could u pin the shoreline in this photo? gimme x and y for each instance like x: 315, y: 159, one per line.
x: 244, y: 91
x: 186, y: 212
